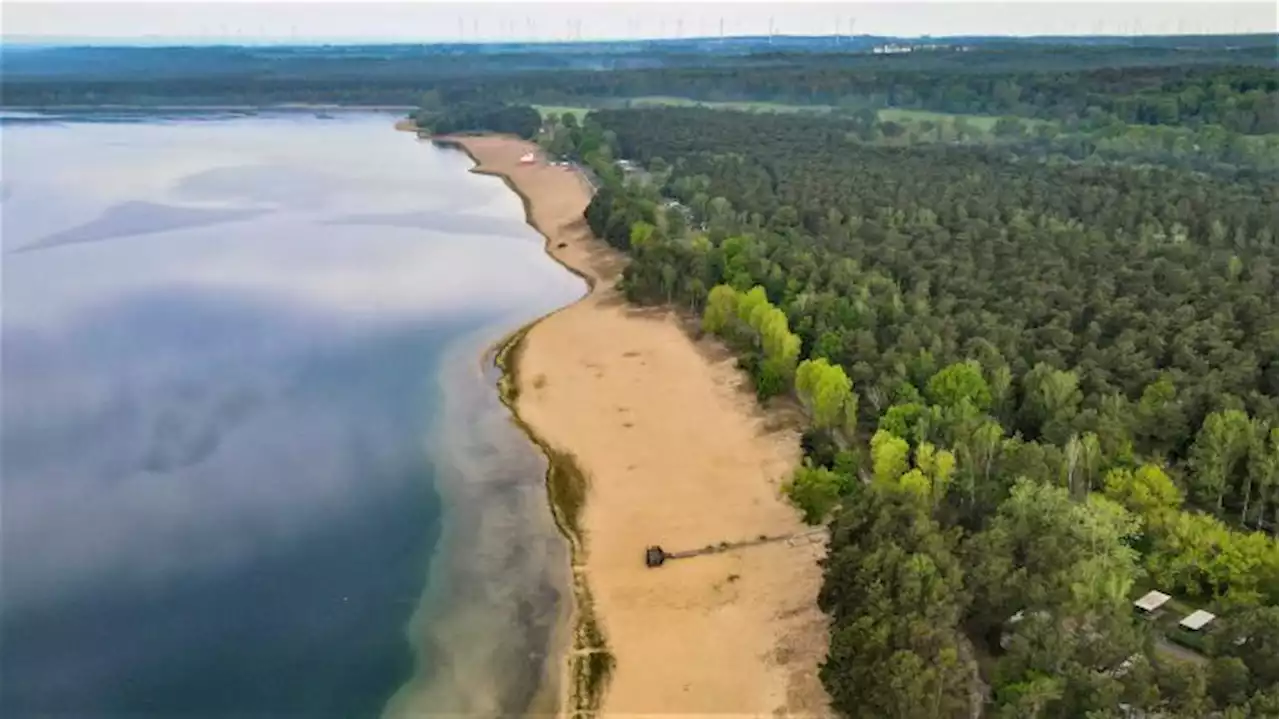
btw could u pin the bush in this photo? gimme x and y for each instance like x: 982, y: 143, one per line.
x: 816, y: 491
x: 818, y: 447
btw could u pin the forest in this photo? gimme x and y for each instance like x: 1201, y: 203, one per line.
x: 519, y: 120
x: 1038, y: 385
x: 1226, y: 82
x: 1240, y: 99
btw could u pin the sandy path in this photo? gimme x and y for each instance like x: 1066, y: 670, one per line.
x: 676, y: 454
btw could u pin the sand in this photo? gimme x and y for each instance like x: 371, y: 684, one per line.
x: 676, y: 453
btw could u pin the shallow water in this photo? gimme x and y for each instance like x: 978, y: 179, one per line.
x: 245, y: 419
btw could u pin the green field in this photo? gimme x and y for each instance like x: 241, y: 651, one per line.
x: 745, y: 106
x: 979, y: 122
x: 559, y: 110
x: 982, y: 123
x: 669, y: 101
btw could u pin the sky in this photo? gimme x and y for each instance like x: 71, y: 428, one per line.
x: 426, y: 21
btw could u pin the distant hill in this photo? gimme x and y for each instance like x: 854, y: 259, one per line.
x: 53, y: 75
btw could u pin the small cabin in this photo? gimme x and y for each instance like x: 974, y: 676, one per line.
x: 1196, y: 620
x: 654, y: 556
x: 1151, y: 602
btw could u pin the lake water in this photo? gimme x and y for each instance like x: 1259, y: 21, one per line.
x: 253, y: 463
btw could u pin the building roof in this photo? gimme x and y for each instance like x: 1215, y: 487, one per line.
x: 1151, y: 601
x: 1196, y: 620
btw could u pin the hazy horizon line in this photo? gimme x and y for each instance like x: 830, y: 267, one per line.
x: 283, y: 41
x: 423, y: 21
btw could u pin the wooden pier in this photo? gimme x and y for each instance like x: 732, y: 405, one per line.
x: 655, y: 556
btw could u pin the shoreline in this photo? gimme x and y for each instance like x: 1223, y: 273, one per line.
x: 583, y: 677
x: 758, y: 628
x: 492, y: 503
x: 281, y: 107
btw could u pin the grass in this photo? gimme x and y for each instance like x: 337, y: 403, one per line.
x: 983, y: 123
x: 507, y: 360
x: 671, y: 101
x: 560, y: 110
x: 743, y: 106
x: 590, y: 662
x: 979, y: 122
x: 567, y: 488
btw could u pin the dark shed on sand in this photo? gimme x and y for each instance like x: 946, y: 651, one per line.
x: 654, y: 556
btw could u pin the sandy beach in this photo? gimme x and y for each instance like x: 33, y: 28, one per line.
x: 677, y: 453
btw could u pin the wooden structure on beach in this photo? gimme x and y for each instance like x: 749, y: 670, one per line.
x: 656, y: 556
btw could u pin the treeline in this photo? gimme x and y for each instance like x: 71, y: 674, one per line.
x: 520, y: 120
x: 1209, y: 148
x: 1036, y: 389
x: 1019, y: 80
x: 1240, y: 99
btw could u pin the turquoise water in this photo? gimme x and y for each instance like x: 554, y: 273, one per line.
x: 252, y: 461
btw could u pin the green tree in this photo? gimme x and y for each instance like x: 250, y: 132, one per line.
x: 978, y: 453
x: 781, y: 346
x: 1250, y: 634
x: 825, y: 390
x: 1161, y: 419
x: 1063, y: 548
x: 889, y: 457
x: 1148, y: 491
x: 937, y: 466
x: 959, y: 382
x: 905, y: 420
x: 894, y: 592
x: 749, y: 304
x: 721, y: 311
x: 1264, y: 455
x: 1218, y: 454
x: 1029, y: 698
x: 816, y: 491
x: 1052, y: 398
x: 1228, y: 681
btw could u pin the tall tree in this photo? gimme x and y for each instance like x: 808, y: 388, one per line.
x: 1218, y: 454
x: 1052, y: 398
x: 825, y: 390
x: 1161, y: 418
x: 1148, y: 492
x: 1263, y: 458
x: 960, y: 382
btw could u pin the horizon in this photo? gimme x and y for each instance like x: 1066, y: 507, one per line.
x: 344, y: 23
x: 301, y: 42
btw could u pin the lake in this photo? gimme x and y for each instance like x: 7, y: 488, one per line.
x: 254, y: 462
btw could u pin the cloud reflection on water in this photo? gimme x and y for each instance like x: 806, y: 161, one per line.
x: 130, y: 219
x: 185, y: 456
x: 212, y: 437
